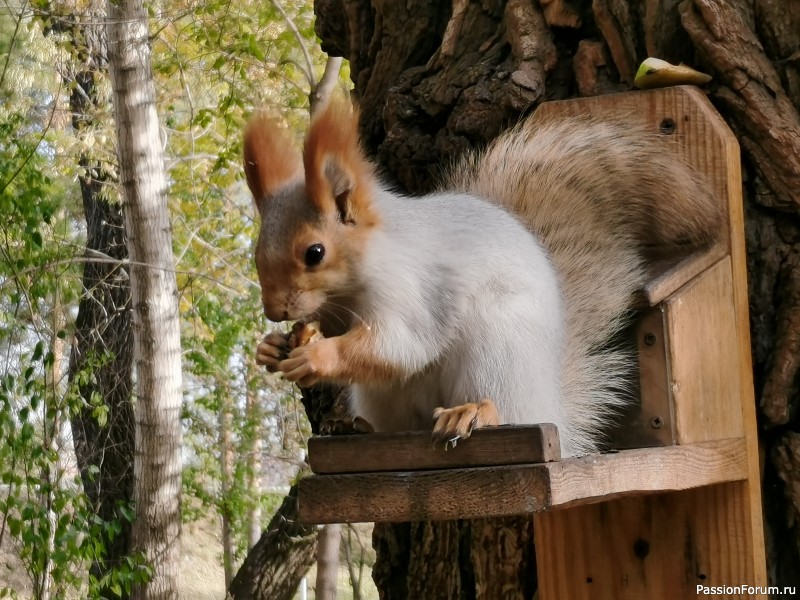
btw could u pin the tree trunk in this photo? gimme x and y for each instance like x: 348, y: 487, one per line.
x: 103, y: 341
x: 51, y: 472
x: 226, y: 479
x: 436, y: 78
x: 327, y: 562
x: 274, y: 567
x: 157, y: 464
x: 254, y: 463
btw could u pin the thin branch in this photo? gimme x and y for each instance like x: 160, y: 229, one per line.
x: 321, y: 92
x: 12, y: 42
x: 127, y: 263
x: 309, y: 71
x: 38, y: 143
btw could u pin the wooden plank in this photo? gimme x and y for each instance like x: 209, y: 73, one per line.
x: 703, y: 139
x: 704, y: 357
x: 516, y: 489
x: 415, y: 451
x: 668, y: 275
x: 649, y: 421
x: 423, y: 495
x: 595, y: 478
x: 658, y: 547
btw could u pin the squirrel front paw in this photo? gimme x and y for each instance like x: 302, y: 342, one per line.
x: 457, y: 423
x: 309, y: 364
x: 272, y: 350
x: 276, y: 346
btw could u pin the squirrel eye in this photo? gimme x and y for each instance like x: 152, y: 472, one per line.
x: 314, y: 255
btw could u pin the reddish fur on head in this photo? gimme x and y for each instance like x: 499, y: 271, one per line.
x: 328, y: 203
x: 270, y: 158
x: 337, y: 175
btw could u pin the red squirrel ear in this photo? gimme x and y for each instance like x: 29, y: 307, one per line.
x: 338, y: 177
x: 271, y: 159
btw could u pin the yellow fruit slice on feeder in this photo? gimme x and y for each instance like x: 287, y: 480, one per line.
x: 656, y: 73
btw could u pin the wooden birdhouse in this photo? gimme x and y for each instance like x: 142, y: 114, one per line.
x: 676, y: 504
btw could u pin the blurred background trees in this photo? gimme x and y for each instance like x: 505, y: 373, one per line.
x: 432, y: 79
x: 66, y: 387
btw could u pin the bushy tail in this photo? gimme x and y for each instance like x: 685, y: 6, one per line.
x: 594, y: 193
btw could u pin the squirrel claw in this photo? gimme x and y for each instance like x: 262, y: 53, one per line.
x: 452, y: 442
x: 450, y: 425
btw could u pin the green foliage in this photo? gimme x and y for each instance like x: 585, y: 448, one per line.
x: 24, y: 190
x: 215, y: 62
x: 43, y: 509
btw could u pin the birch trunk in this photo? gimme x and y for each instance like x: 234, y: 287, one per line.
x: 328, y: 561
x: 51, y: 473
x: 103, y: 324
x: 226, y: 472
x: 254, y: 466
x: 157, y: 463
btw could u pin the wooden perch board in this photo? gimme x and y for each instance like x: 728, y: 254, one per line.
x: 668, y: 275
x: 415, y: 451
x: 517, y: 489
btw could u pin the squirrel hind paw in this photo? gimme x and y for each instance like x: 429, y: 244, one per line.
x: 453, y: 424
x: 334, y: 425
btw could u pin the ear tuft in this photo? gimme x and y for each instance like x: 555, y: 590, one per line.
x: 271, y: 159
x: 338, y: 177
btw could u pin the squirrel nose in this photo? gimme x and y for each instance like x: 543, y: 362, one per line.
x: 275, y: 315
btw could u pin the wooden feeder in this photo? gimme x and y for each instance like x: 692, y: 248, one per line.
x: 679, y: 504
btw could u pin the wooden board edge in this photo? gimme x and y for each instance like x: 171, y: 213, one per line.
x: 415, y: 451
x: 423, y: 495
x: 483, y: 492
x: 667, y: 283
x: 596, y: 478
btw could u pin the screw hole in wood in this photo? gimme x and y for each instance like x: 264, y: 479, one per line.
x: 641, y: 548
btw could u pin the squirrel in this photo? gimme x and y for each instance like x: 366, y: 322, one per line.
x: 493, y: 300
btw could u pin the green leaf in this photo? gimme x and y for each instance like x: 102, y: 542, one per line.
x: 100, y: 413
x: 127, y: 512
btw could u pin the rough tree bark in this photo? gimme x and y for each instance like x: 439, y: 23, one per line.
x: 103, y: 337
x: 328, y: 542
x: 157, y: 463
x: 275, y: 565
x: 435, y: 78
